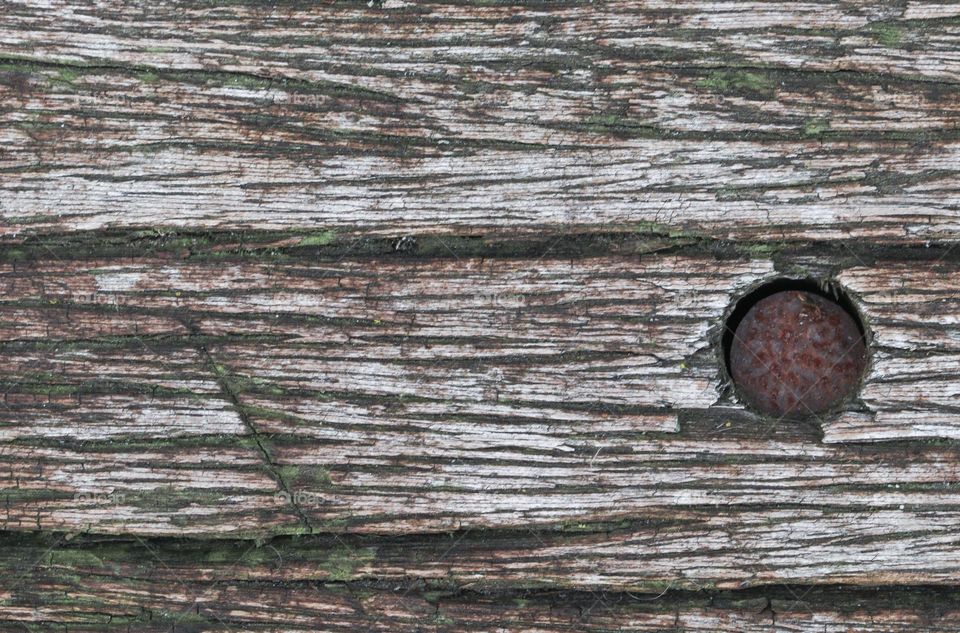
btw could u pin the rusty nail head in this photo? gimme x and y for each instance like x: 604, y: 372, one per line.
x: 796, y: 353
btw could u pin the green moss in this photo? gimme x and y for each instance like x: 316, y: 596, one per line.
x: 739, y: 81
x: 74, y: 558
x: 29, y: 219
x: 655, y: 228
x: 218, y: 555
x: 12, y: 68
x: 443, y: 620
x: 795, y: 270
x: 343, y: 563
x: 177, y: 242
x: 245, y: 384
x: 886, y: 34
x: 250, y: 384
x: 604, y: 119
x: 473, y: 87
x: 248, y: 81
x: 256, y: 557
x: 66, y: 75
x: 318, y: 475
x: 49, y: 384
x: 318, y: 239
x: 434, y: 596
x: 815, y: 127
x: 267, y: 413
x: 148, y: 77
x: 287, y: 473
x: 761, y: 250
x: 608, y: 122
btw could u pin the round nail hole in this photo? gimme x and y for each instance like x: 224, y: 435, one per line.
x: 795, y: 348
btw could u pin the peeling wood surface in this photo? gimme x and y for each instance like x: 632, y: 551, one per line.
x: 758, y: 121
x: 146, y: 590
x: 396, y: 395
x: 406, y: 316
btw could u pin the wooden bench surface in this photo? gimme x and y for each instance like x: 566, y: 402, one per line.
x: 408, y: 316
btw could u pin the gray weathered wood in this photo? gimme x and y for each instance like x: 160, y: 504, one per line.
x: 406, y: 316
x: 396, y: 395
x: 741, y: 120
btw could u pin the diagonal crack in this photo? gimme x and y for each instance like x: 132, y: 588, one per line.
x: 230, y: 394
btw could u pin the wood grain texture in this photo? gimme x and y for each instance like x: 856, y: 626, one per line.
x: 396, y: 395
x: 141, y: 605
x: 126, y: 586
x: 748, y: 121
x: 406, y: 316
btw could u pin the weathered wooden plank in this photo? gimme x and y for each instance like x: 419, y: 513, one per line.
x: 58, y: 599
x: 347, y: 317
x: 220, y: 488
x: 398, y: 395
x: 752, y: 121
x: 856, y: 36
x: 125, y: 437
x: 299, y: 585
x: 912, y: 388
x: 542, y: 333
x: 427, y: 477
